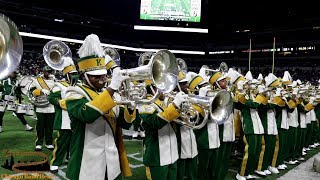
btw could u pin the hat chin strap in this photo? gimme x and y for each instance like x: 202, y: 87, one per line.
x: 89, y: 83
x: 217, y: 84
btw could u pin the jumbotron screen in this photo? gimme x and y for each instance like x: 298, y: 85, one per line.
x: 172, y: 10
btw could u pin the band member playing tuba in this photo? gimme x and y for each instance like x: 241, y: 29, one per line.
x: 42, y: 86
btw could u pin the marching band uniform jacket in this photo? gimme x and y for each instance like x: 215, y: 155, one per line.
x: 97, y: 138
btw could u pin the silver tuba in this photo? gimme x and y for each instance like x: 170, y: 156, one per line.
x: 182, y: 65
x: 218, y: 108
x: 11, y: 47
x: 162, y: 69
x: 38, y: 101
x: 54, y: 53
x: 113, y: 53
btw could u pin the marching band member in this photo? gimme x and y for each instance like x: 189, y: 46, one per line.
x: 188, y: 161
x: 314, y: 124
x: 307, y: 139
x: 10, y: 87
x: 293, y: 116
x: 302, y: 128
x: 317, y: 113
x: 96, y: 148
x: 160, y: 144
x: 267, y: 114
x: 226, y: 131
x: 281, y: 111
x: 208, y: 136
x: 62, y: 120
x: 45, y: 115
x: 252, y: 126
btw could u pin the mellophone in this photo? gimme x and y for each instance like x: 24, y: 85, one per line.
x: 9, y: 104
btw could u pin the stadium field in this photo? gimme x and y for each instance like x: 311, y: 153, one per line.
x: 14, y: 139
x: 170, y: 10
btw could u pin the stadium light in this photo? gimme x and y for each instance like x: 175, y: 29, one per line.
x: 178, y: 29
x: 40, y: 36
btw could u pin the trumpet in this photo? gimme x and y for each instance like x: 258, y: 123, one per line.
x: 223, y: 68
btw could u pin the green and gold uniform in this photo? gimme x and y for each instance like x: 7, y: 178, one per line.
x: 253, y: 133
x: 160, y: 144
x: 96, y: 149
x: 61, y: 123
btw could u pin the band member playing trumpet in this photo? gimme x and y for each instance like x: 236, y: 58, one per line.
x: 160, y: 144
x: 251, y: 123
x: 42, y: 86
x: 10, y: 87
x: 96, y: 149
x: 268, y: 118
x: 62, y: 119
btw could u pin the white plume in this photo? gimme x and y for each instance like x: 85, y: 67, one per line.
x: 91, y: 46
x: 68, y: 62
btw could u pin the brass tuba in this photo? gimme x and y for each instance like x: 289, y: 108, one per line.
x: 54, y: 53
x: 11, y: 47
x: 217, y: 108
x: 162, y: 69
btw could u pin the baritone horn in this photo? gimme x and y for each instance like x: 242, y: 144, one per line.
x: 11, y: 47
x: 162, y: 69
x: 218, y: 108
x: 54, y: 53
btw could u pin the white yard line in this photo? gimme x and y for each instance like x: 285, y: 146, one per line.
x: 133, y: 156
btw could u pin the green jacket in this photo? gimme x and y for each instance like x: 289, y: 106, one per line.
x: 160, y: 143
x: 96, y: 141
x: 251, y: 121
x: 9, y: 88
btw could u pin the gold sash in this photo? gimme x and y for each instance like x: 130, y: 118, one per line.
x: 43, y: 83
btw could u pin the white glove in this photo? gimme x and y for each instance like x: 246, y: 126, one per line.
x: 45, y: 91
x: 240, y: 85
x: 278, y: 92
x: 295, y: 91
x: 204, y: 90
x: 261, y: 88
x: 312, y: 99
x: 117, y: 79
x: 180, y: 98
x: 283, y: 92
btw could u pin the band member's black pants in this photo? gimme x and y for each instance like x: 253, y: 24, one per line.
x: 44, y: 128
x: 20, y: 116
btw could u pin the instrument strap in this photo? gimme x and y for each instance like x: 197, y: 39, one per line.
x: 43, y: 83
x: 92, y: 94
